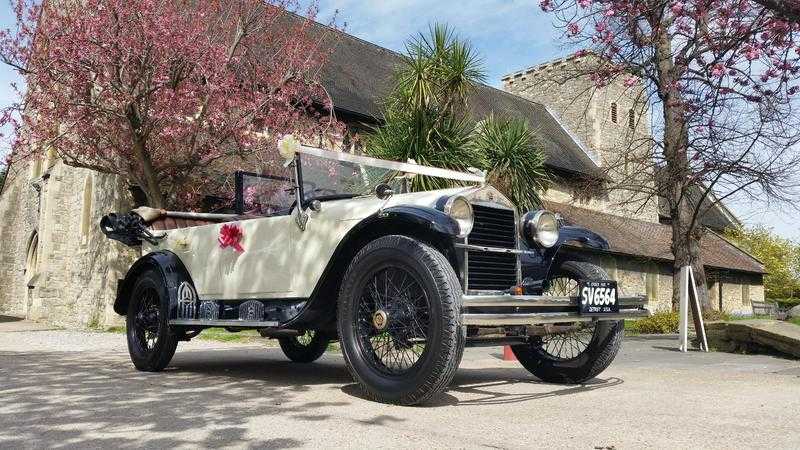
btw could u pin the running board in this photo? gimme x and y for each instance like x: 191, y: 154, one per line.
x: 224, y: 323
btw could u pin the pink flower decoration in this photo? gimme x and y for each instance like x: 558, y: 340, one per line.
x: 230, y: 235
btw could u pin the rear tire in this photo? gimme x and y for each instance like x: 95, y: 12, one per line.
x: 305, y: 348
x: 151, y: 344
x: 601, y: 344
x: 399, y: 320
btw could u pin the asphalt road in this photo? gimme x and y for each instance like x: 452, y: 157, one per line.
x: 63, y: 389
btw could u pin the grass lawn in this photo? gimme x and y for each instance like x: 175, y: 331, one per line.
x: 795, y: 320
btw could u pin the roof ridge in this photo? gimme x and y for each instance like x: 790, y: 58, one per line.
x: 644, y: 222
x: 401, y: 55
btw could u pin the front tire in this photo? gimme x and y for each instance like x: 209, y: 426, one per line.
x: 306, y: 348
x: 399, y: 320
x: 151, y: 344
x: 579, y: 355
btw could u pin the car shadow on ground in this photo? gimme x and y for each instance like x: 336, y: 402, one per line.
x: 482, y: 386
x: 88, y: 399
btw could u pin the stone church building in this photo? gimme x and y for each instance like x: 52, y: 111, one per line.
x: 56, y: 266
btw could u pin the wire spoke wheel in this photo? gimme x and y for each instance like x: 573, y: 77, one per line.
x: 147, y: 323
x: 570, y: 344
x: 393, y: 320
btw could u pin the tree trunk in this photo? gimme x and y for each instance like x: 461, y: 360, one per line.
x: 686, y: 239
x: 674, y: 185
x: 152, y: 188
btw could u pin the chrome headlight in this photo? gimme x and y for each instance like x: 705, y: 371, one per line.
x: 540, y: 228
x: 460, y: 210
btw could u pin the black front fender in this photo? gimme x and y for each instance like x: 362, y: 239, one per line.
x: 429, y: 218
x: 172, y: 271
x: 538, y: 265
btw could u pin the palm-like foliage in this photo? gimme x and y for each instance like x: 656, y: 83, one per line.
x: 425, y: 119
x: 425, y: 114
x: 514, y: 159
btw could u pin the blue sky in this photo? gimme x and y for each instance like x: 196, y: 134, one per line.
x: 508, y: 34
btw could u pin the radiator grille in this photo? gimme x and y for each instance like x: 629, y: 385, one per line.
x: 492, y: 271
x: 487, y: 271
x: 494, y: 227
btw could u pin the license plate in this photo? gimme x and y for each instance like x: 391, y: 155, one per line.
x: 598, y: 297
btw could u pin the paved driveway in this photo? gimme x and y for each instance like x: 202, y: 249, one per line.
x: 78, y: 390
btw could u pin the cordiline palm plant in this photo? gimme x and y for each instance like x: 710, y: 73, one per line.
x: 425, y: 115
x: 514, y: 159
x: 425, y: 119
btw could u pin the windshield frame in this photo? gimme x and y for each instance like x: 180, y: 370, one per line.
x: 400, y: 168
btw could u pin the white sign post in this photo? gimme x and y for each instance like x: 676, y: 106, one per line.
x: 688, y: 287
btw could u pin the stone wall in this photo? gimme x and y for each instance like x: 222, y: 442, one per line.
x: 739, y: 291
x: 613, y: 121
x: 66, y: 274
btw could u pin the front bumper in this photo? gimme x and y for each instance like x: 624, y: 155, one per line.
x: 505, y: 309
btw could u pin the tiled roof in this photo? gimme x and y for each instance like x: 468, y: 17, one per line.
x: 652, y: 240
x: 358, y: 75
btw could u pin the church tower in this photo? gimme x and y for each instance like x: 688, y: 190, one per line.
x: 613, y: 121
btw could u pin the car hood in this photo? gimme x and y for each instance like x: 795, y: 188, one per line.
x: 362, y: 207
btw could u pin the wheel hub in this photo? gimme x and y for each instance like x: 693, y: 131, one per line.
x: 380, y: 320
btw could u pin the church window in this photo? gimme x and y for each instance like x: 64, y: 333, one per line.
x: 614, y: 112
x: 86, y: 212
x: 32, y: 260
x: 36, y: 168
x: 631, y: 119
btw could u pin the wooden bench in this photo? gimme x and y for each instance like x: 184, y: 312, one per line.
x: 769, y: 309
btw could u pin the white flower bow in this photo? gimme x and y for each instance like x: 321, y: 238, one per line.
x: 288, y: 146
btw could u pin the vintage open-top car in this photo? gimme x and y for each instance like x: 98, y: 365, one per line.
x: 337, y: 248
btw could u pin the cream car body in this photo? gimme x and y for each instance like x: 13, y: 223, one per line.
x: 281, y: 260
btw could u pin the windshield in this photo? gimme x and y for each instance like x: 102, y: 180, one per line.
x: 331, y: 175
x: 327, y: 179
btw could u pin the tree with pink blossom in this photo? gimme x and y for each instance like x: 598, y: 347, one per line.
x: 722, y: 78
x: 160, y: 92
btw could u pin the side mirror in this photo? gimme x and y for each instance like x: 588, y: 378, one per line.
x: 383, y: 191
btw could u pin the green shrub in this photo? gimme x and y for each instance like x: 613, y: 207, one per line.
x: 662, y: 322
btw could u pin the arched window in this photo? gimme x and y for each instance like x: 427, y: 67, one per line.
x: 50, y: 161
x: 631, y: 119
x: 614, y: 112
x: 86, y: 212
x: 36, y: 168
x: 32, y: 259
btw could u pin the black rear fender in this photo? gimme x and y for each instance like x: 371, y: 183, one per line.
x: 177, y: 281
